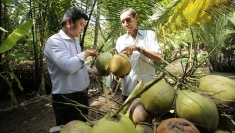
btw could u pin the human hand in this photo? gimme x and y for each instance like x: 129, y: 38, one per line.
x: 129, y: 50
x: 96, y: 72
x: 91, y: 52
x: 103, y: 74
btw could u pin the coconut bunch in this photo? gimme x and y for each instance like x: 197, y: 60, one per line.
x: 204, y: 103
x: 203, y: 99
x: 156, y: 99
x: 175, y: 101
x: 161, y: 107
x: 207, y: 101
x: 118, y: 64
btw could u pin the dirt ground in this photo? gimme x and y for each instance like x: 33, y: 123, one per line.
x: 36, y: 115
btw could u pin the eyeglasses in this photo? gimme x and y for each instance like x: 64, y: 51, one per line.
x: 127, y: 20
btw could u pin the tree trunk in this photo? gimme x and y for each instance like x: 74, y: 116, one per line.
x: 97, y: 24
x: 1, y: 32
x: 42, y: 32
x: 35, y: 42
x: 84, y: 33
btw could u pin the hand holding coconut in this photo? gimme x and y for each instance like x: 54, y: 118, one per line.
x: 129, y: 50
x: 99, y: 71
x: 151, y: 54
x: 90, y: 52
x: 95, y: 72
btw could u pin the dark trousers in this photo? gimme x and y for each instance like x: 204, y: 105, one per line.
x: 65, y: 113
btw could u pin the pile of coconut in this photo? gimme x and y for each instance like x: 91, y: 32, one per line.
x: 184, y: 103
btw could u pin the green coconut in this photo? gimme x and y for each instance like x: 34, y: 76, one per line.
x: 120, y: 65
x: 102, y: 62
x: 158, y: 98
x: 76, y: 126
x: 137, y: 113
x: 119, y: 124
x: 142, y: 128
x: 197, y: 109
x: 219, y: 87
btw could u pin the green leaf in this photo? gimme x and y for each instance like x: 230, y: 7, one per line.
x: 3, y: 29
x: 186, y: 13
x: 16, y: 35
x: 14, y: 56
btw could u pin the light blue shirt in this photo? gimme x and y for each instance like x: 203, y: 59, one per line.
x: 140, y: 65
x: 65, y: 63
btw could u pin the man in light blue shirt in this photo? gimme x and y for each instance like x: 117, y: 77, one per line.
x: 65, y: 63
x: 142, y: 48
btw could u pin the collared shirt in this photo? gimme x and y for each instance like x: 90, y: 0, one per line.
x: 141, y: 66
x: 65, y: 63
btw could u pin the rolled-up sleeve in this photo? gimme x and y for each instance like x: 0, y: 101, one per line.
x: 153, y: 42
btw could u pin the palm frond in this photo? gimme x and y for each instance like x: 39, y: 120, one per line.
x: 111, y: 10
x: 194, y: 13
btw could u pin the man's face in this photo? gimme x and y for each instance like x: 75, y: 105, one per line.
x: 79, y: 27
x: 128, y: 21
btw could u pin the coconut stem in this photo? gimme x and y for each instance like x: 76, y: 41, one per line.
x: 105, y: 90
x: 138, y: 94
x: 107, y: 99
x: 117, y: 86
x: 134, y: 93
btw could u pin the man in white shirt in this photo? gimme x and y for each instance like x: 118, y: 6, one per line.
x: 65, y: 63
x: 142, y: 48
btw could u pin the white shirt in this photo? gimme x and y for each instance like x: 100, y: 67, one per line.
x: 65, y: 63
x: 140, y: 70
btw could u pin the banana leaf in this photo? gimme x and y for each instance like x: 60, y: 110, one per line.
x: 16, y: 35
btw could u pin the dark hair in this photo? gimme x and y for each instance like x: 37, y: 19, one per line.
x: 131, y: 10
x: 75, y: 14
